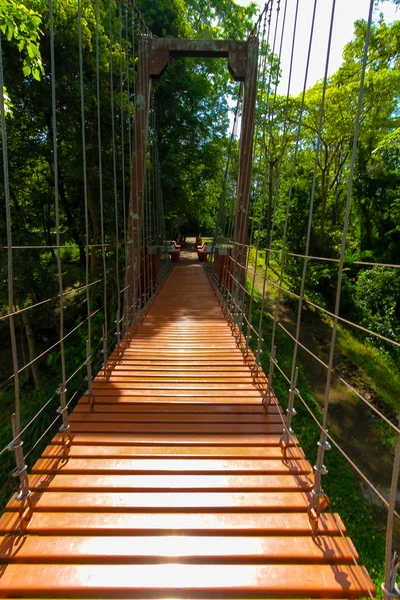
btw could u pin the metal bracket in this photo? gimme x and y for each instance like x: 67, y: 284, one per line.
x: 20, y: 471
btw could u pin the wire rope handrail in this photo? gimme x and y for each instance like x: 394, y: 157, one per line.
x: 333, y: 315
x: 154, y: 232
x: 231, y: 288
x: 348, y: 259
x: 228, y: 273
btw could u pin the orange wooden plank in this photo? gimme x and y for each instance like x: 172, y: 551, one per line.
x: 175, y: 385
x: 160, y: 407
x: 175, y: 580
x: 183, y: 349
x: 207, y: 392
x: 185, y: 549
x: 144, y: 483
x: 180, y: 362
x: 206, y: 439
x: 177, y: 456
x: 165, y: 523
x: 187, y: 370
x: 203, y: 337
x: 235, y: 359
x: 208, y: 375
x: 176, y: 417
x: 191, y: 466
x: 161, y: 452
x: 186, y: 328
x: 108, y: 394
x: 156, y: 501
x: 179, y: 428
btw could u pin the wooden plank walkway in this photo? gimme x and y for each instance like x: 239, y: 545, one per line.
x: 174, y: 485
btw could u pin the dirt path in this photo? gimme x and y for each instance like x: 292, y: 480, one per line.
x: 352, y: 423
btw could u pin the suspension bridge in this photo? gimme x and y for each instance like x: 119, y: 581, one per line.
x: 174, y: 471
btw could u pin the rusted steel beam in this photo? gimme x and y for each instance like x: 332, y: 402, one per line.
x: 245, y: 164
x: 135, y: 217
x: 154, y: 56
x: 162, y: 49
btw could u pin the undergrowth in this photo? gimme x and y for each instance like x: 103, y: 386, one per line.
x: 380, y: 374
x: 340, y: 484
x: 376, y: 369
x: 32, y: 401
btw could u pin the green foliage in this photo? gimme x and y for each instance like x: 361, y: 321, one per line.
x: 378, y: 371
x: 21, y: 25
x: 192, y: 109
x: 340, y: 484
x: 192, y: 123
x: 377, y: 293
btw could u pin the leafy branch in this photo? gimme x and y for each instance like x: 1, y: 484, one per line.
x: 21, y: 24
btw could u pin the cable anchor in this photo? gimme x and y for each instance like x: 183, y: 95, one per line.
x: 290, y: 412
x: 62, y: 410
x: 104, y: 352
x: 268, y: 392
x: 319, y: 500
x: 118, y: 333
x: 20, y: 471
x: 89, y: 376
x: 391, y: 589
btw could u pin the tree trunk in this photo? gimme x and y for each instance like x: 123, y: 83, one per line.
x: 93, y: 218
x: 46, y: 228
x: 32, y: 349
x: 324, y: 201
x: 24, y: 357
x: 269, y: 212
x: 70, y: 218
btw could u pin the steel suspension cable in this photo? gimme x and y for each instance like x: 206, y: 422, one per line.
x: 263, y: 130
x: 228, y: 212
x: 128, y: 77
x: 16, y: 444
x: 319, y: 469
x: 293, y: 375
x: 288, y: 203
x: 62, y: 389
x: 273, y: 349
x: 85, y: 195
x: 222, y: 212
x: 114, y: 163
x: 270, y: 121
x: 238, y: 251
x: 121, y: 86
x: 100, y: 159
x: 134, y: 174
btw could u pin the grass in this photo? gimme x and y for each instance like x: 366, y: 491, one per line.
x: 376, y: 371
x: 32, y: 401
x: 340, y: 484
x: 379, y: 375
x: 260, y: 259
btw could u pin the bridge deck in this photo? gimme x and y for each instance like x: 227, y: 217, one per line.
x: 175, y: 481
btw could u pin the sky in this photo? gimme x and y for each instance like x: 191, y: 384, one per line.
x: 346, y: 12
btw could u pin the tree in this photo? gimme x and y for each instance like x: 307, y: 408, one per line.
x: 20, y: 24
